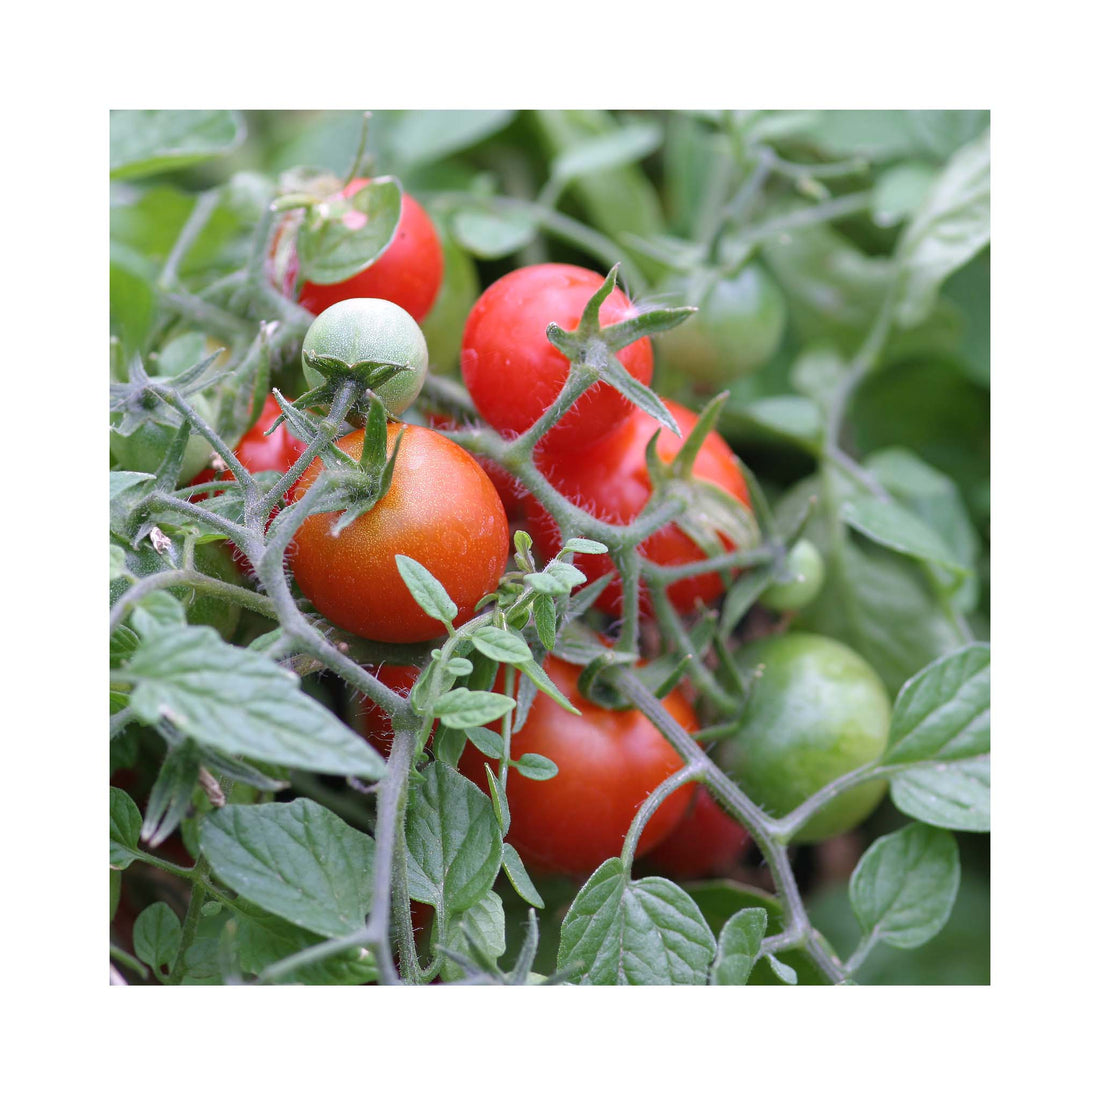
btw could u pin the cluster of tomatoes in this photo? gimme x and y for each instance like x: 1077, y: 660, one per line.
x: 445, y: 510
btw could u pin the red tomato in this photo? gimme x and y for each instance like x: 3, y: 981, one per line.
x: 512, y: 493
x: 441, y: 509
x: 611, y: 482
x: 514, y: 373
x: 409, y: 271
x: 258, y: 452
x: 706, y: 842
x: 608, y: 762
x: 369, y: 718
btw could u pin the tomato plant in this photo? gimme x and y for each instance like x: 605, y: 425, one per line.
x: 408, y: 272
x: 608, y: 761
x: 816, y: 712
x: 640, y: 737
x: 611, y: 481
x: 461, y: 536
x: 514, y: 373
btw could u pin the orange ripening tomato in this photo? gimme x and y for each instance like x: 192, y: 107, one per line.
x: 611, y: 482
x: 441, y: 510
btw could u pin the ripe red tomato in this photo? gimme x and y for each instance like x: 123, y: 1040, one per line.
x: 408, y: 272
x: 258, y: 452
x: 611, y: 482
x: 512, y: 493
x: 608, y: 762
x: 514, y: 373
x: 369, y: 718
x: 441, y: 509
x: 707, y: 842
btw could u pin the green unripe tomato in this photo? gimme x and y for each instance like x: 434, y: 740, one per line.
x: 806, y: 567
x: 144, y: 449
x: 457, y: 294
x: 737, y: 329
x: 370, y: 330
x: 817, y: 711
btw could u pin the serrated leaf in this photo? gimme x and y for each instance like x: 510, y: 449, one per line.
x: 949, y: 228
x: 263, y: 939
x: 531, y: 765
x: 904, y: 886
x: 426, y: 590
x: 125, y: 829
x: 240, y: 701
x: 739, y: 947
x: 295, y: 859
x: 478, y: 931
x: 462, y: 708
x: 157, y: 936
x: 501, y: 645
x: 454, y: 842
x: 520, y: 880
x: 951, y: 795
x: 345, y: 236
x: 942, y: 713
x: 897, y: 529
x: 647, y: 932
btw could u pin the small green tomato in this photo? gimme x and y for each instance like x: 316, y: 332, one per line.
x: 806, y: 569
x: 370, y: 330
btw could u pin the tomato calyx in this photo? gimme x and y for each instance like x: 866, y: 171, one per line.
x: 366, y: 375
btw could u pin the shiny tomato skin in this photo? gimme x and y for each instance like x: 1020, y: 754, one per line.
x: 514, y: 373
x: 608, y: 762
x: 408, y: 272
x: 512, y: 493
x: 611, y: 482
x: 706, y: 842
x: 441, y: 509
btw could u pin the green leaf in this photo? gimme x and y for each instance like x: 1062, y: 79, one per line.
x: 487, y: 742
x: 490, y: 234
x: 899, y: 191
x: 546, y: 620
x: 897, y: 529
x: 295, y: 859
x: 942, y: 713
x: 950, y: 227
x: 501, y: 645
x: 499, y: 800
x: 156, y: 613
x: 342, y: 237
x: 125, y: 829
x: 786, y: 974
x: 157, y: 936
x: 904, y: 886
x: 739, y: 947
x: 478, y: 931
x: 547, y: 584
x: 454, y: 842
x: 462, y: 708
x: 240, y: 701
x: 520, y: 880
x: 263, y: 939
x: 605, y: 152
x: 647, y: 932
x: 170, y: 798
x: 794, y: 419
x: 585, y: 546
x: 144, y: 143
x: 426, y: 590
x: 952, y: 796
x: 637, y: 393
x: 537, y: 675
x: 566, y: 573
x: 533, y: 766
